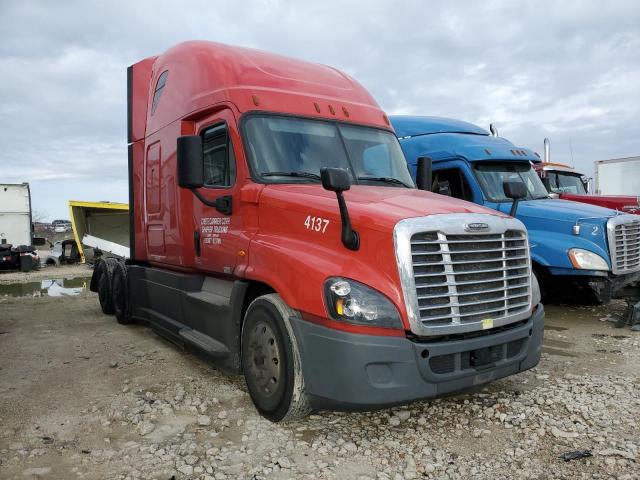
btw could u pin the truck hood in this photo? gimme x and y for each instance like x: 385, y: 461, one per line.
x: 623, y: 203
x: 550, y: 223
x: 561, y: 211
x: 373, y: 206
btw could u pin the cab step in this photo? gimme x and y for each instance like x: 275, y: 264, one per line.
x: 204, y: 342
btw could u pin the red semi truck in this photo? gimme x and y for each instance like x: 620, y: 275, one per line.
x: 569, y: 184
x: 276, y: 229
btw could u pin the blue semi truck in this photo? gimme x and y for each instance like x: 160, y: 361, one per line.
x: 594, y: 250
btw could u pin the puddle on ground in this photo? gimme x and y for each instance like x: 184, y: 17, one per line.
x: 555, y: 327
x: 550, y: 342
x: 557, y: 351
x: 558, y: 347
x: 57, y: 287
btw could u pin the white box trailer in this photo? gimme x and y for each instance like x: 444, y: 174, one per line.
x: 16, y: 233
x: 15, y: 214
x: 618, y: 176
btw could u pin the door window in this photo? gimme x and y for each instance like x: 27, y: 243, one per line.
x: 219, y: 160
x: 452, y: 182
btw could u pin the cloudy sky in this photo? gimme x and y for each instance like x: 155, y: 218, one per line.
x: 566, y: 70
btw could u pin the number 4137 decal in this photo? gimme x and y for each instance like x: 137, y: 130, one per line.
x: 316, y: 224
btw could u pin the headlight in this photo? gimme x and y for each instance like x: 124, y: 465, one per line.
x: 536, y: 296
x: 352, y: 302
x: 586, y: 260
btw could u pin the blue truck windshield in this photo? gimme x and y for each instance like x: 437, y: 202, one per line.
x: 292, y: 150
x: 492, y: 175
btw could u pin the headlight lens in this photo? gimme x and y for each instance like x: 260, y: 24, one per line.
x: 352, y: 302
x: 586, y: 260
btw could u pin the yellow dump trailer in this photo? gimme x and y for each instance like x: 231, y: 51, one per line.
x: 100, y: 227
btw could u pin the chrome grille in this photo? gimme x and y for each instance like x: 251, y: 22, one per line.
x: 624, y: 243
x: 466, y: 278
x: 457, y: 281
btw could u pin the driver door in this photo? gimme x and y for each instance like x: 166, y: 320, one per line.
x: 217, y: 229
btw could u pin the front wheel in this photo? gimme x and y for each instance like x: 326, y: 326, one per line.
x: 271, y: 361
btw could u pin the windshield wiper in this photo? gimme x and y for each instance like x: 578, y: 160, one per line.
x: 291, y: 174
x: 392, y: 180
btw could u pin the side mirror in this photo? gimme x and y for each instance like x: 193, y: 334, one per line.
x: 424, y: 173
x: 190, y: 161
x: 515, y: 191
x: 335, y: 179
x: 38, y: 241
x: 338, y: 180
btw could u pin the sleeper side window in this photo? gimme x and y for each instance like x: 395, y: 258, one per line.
x: 219, y: 160
x: 162, y: 80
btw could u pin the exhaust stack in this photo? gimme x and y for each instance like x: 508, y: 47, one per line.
x: 547, y: 151
x: 493, y: 130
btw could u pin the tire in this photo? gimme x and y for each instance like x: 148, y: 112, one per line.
x: 104, y: 286
x: 120, y: 294
x: 98, y: 270
x: 277, y: 387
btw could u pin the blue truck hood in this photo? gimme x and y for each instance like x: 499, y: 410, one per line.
x: 550, y: 225
x: 562, y: 211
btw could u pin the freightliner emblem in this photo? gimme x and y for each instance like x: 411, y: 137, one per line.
x: 476, y: 227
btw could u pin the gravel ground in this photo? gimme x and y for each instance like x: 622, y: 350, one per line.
x: 83, y: 397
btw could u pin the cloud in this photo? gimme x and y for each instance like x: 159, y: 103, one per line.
x: 568, y: 70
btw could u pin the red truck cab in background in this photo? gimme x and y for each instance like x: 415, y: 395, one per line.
x: 569, y: 184
x: 276, y: 229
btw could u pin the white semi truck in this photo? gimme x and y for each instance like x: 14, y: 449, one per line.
x: 618, y: 176
x: 16, y: 232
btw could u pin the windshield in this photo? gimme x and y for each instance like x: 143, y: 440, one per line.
x: 492, y: 176
x: 292, y: 150
x: 565, y: 182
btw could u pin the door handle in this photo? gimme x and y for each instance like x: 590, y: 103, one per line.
x: 196, y: 242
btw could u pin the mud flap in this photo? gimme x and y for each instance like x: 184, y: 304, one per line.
x: 634, y: 317
x: 631, y: 317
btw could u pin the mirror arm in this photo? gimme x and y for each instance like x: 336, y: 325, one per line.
x: 350, y: 237
x: 514, y: 207
x: 222, y: 204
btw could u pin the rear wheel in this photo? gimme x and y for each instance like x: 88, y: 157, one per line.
x: 120, y: 294
x: 104, y: 286
x: 98, y: 269
x: 271, y: 361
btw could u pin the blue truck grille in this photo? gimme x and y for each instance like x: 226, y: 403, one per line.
x: 624, y: 243
x: 470, y: 277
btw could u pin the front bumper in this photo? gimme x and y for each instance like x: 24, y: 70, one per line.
x: 346, y: 371
x: 626, y: 287
x: 604, y: 285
